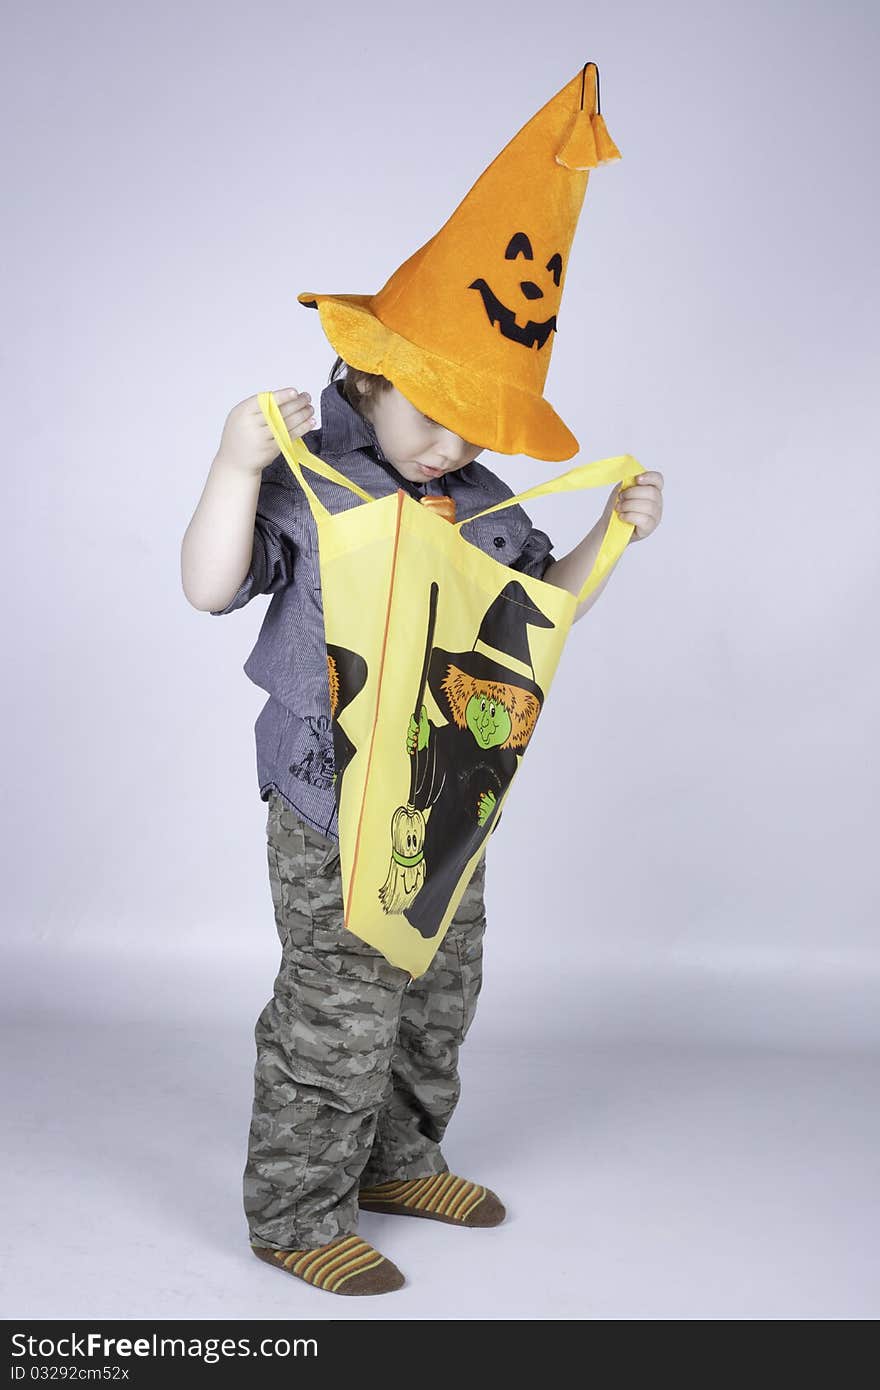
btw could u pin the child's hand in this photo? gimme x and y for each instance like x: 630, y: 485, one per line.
x: 248, y: 444
x: 641, y: 503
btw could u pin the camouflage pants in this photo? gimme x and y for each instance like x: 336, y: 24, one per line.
x: 356, y: 1076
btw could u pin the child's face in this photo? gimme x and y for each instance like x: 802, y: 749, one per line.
x: 415, y: 445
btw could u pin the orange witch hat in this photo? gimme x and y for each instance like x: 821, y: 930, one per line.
x: 465, y: 327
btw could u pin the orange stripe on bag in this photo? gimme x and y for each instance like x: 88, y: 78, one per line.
x: 379, y: 691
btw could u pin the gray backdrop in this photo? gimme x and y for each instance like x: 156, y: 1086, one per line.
x: 672, y: 1077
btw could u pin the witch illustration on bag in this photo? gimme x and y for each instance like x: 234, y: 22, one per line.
x: 460, y: 769
x: 464, y: 766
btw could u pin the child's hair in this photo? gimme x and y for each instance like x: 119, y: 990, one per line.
x: 374, y: 383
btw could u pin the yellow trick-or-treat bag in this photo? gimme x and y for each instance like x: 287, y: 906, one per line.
x: 439, y: 659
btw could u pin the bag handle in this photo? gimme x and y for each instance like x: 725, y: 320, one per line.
x: 299, y: 456
x: 621, y: 468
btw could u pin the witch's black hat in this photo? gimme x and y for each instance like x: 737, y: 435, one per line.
x: 501, y: 652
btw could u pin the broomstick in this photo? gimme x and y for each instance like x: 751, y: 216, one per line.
x: 406, y: 872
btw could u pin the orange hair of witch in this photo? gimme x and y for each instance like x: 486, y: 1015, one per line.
x: 522, y: 706
x: 333, y: 678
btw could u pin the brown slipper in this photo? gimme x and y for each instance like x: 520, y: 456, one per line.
x: 440, y: 1196
x: 346, y: 1265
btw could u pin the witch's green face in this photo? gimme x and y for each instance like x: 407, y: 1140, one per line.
x: 488, y: 721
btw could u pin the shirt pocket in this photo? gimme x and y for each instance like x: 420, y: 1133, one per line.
x: 501, y: 535
x: 312, y: 579
x: 306, y: 537
x: 313, y: 569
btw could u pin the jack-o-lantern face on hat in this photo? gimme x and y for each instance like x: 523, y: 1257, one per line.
x: 535, y: 333
x: 465, y: 327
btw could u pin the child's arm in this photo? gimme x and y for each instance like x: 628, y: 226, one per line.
x: 217, y: 547
x: 641, y: 504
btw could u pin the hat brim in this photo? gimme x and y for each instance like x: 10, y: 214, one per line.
x: 481, y: 668
x: 484, y: 410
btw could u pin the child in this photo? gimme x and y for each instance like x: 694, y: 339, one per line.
x: 356, y: 1076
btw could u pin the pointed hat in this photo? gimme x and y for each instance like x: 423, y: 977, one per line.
x: 465, y: 327
x: 501, y: 652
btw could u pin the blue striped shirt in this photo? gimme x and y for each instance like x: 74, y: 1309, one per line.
x: 294, y: 740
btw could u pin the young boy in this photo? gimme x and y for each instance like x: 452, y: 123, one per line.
x: 357, y: 1070
x: 356, y: 1076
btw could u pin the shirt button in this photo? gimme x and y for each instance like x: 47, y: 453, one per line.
x: 500, y: 542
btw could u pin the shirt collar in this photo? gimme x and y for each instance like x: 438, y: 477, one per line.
x: 344, y: 429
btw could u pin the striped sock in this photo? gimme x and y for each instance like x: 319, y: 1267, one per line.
x: 440, y: 1196
x: 346, y: 1265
